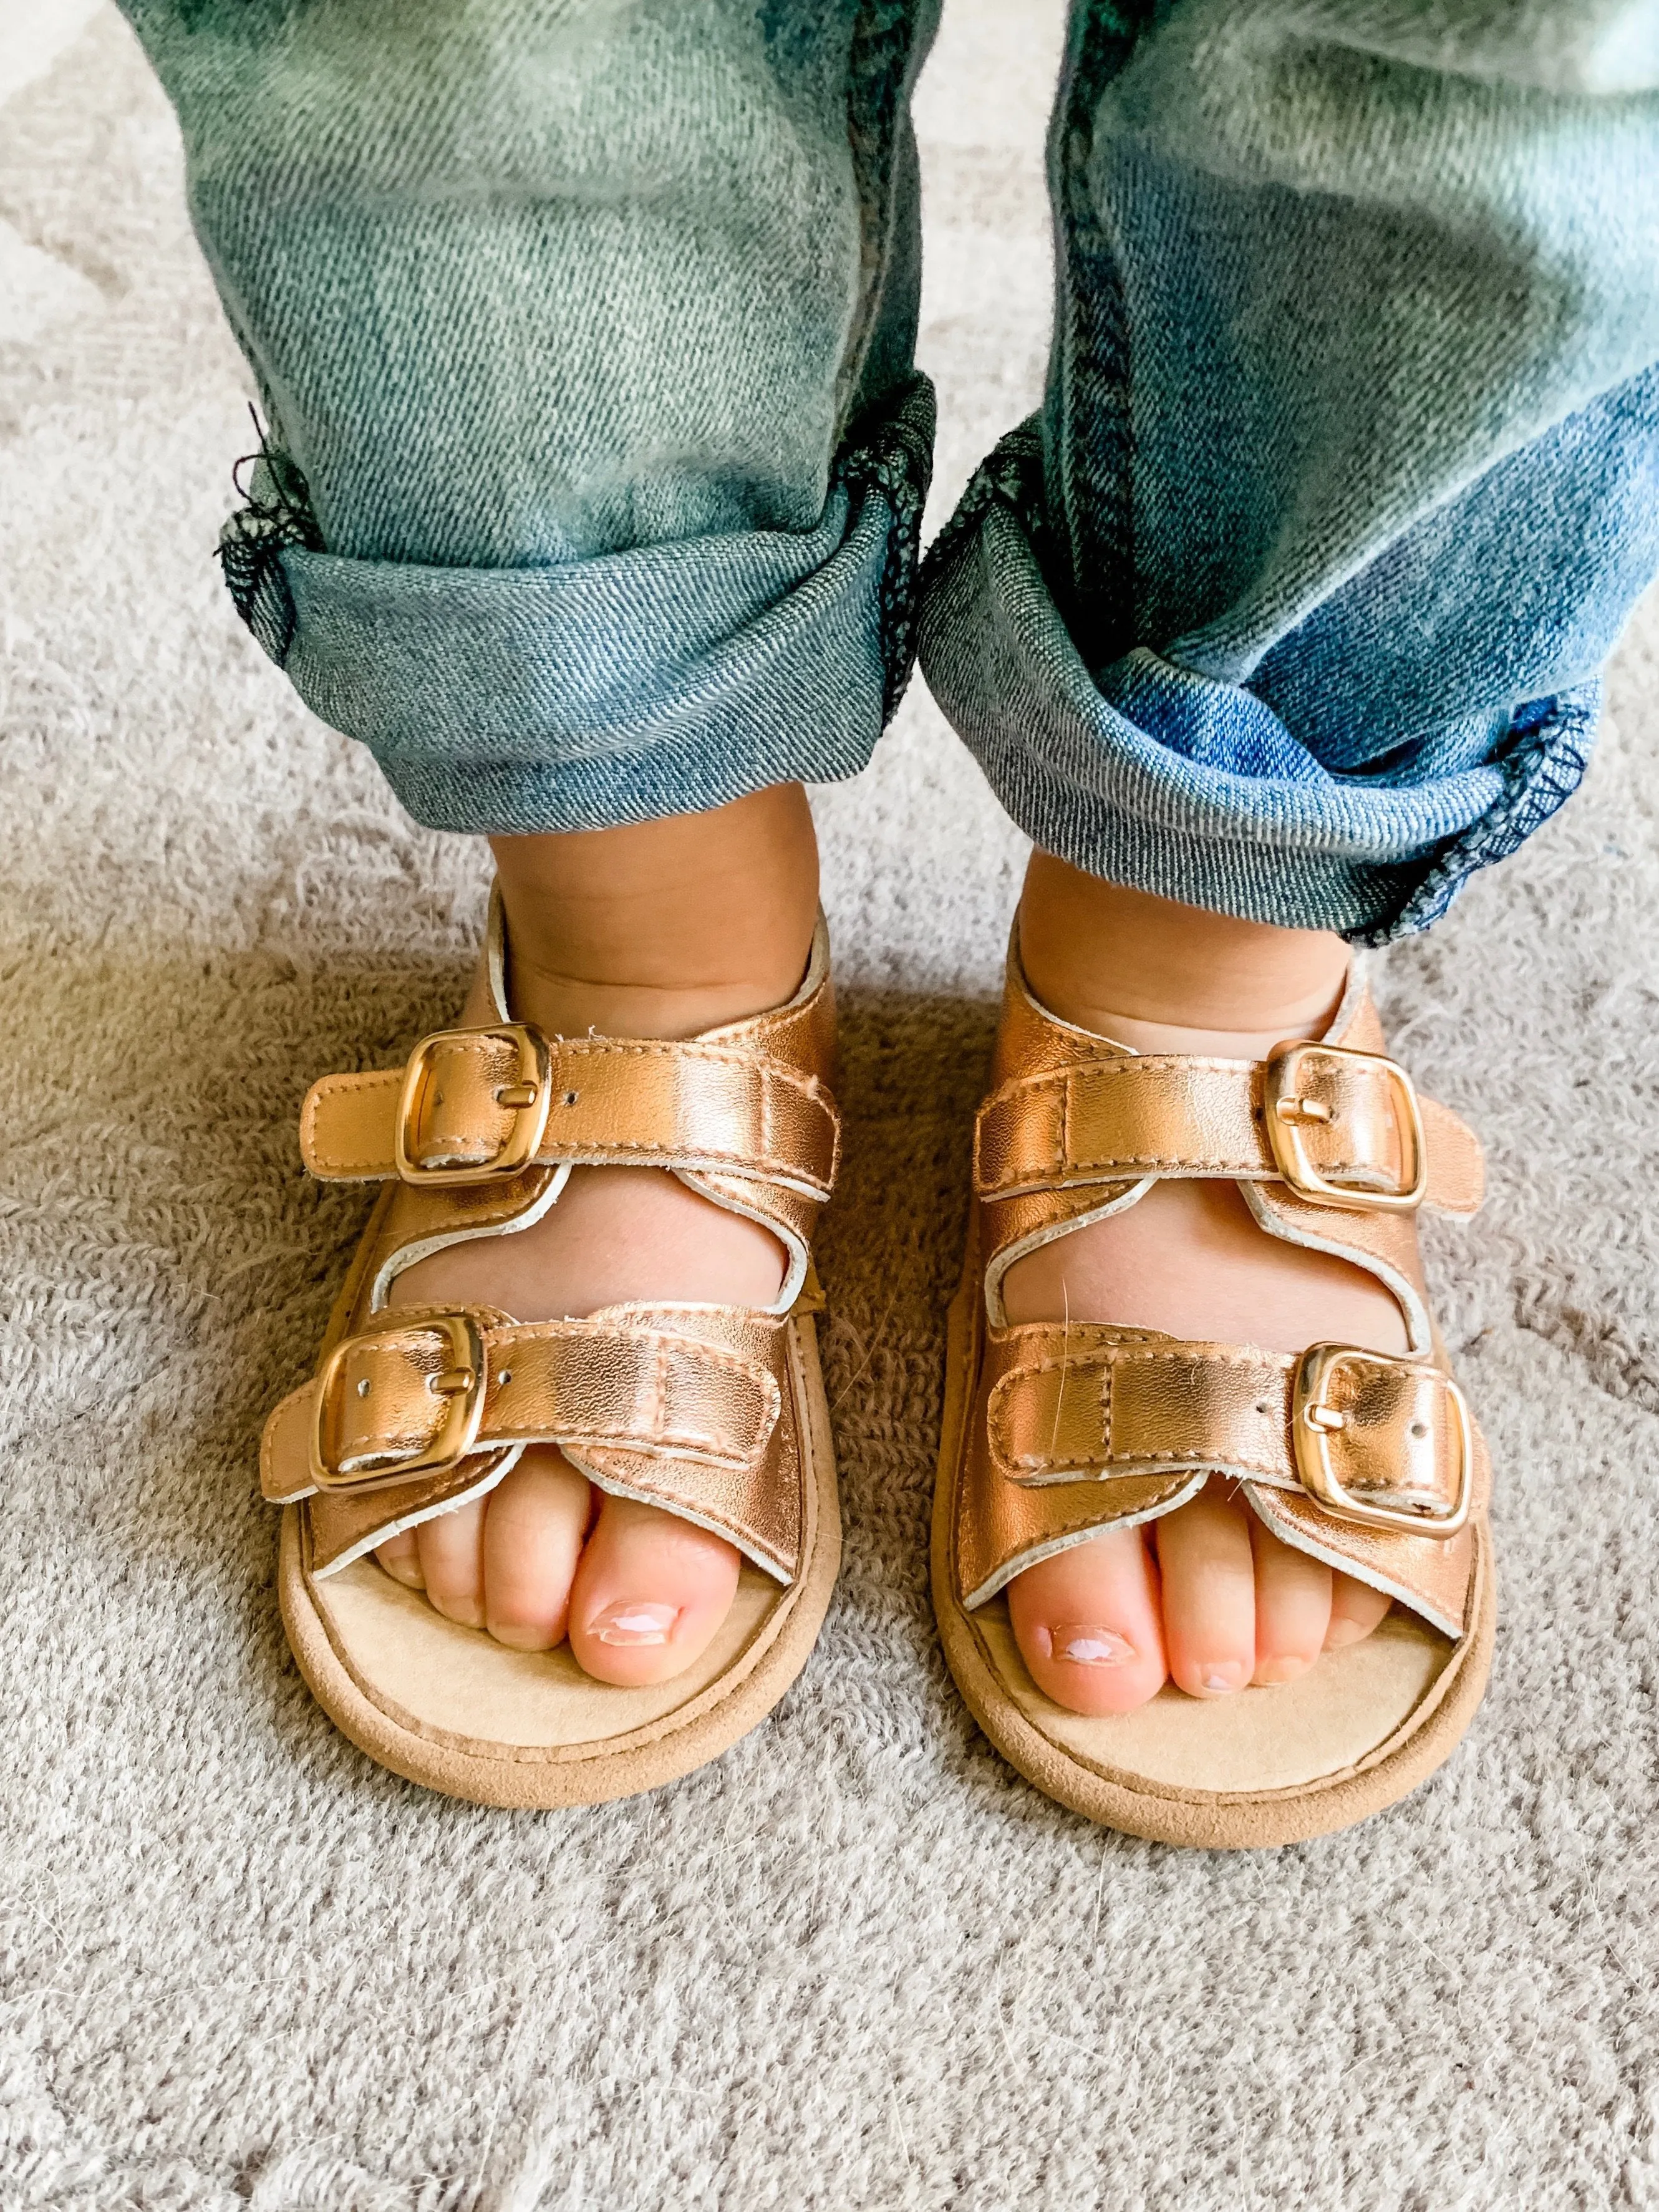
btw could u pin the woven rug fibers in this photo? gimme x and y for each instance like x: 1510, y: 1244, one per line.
x: 857, y: 1963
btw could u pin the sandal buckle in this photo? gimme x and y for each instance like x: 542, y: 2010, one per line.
x: 420, y: 1384
x: 1297, y: 1084
x: 1386, y: 1409
x: 523, y: 1097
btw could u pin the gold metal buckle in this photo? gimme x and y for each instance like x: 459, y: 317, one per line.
x: 1289, y: 1111
x: 458, y: 1380
x: 526, y: 1100
x: 1314, y: 1424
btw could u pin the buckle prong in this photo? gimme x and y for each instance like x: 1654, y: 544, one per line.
x: 525, y: 1096
x: 1289, y: 1106
x: 1315, y: 1424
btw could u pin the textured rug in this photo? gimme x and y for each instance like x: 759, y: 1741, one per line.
x: 858, y: 1963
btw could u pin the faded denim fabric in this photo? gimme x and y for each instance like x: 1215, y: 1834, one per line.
x: 1292, y: 600
x: 584, y: 333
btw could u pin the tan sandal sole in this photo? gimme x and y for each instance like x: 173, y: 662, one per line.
x: 448, y: 1707
x: 1266, y: 1766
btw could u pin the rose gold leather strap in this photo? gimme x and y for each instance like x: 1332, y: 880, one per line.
x: 416, y: 1395
x: 1382, y: 1440
x: 1349, y: 1131
x: 688, y: 1408
x: 602, y: 1101
x: 1092, y: 1428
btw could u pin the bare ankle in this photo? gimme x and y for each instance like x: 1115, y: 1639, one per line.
x: 573, y: 1006
x: 663, y: 928
x: 1109, y: 959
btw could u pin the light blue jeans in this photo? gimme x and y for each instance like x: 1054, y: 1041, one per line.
x: 596, y: 456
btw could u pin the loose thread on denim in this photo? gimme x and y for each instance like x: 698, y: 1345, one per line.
x: 276, y: 513
x: 1010, y: 475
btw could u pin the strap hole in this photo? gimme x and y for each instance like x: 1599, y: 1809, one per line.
x: 571, y: 1097
x: 1420, y: 1428
x: 505, y: 1376
x: 362, y: 1388
x: 1262, y: 1407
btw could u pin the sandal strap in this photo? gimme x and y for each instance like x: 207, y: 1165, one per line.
x: 430, y: 1406
x: 483, y: 1105
x: 1370, y: 1462
x: 1339, y: 1128
x: 1381, y: 1441
x: 418, y: 1396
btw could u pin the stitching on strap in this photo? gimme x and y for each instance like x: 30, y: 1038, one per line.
x: 766, y: 1162
x: 1105, y: 1361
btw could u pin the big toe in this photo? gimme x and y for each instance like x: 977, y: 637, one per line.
x: 649, y: 1595
x: 1086, y: 1622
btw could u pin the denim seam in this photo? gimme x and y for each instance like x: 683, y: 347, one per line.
x: 1009, y: 477
x: 1541, y: 775
x: 878, y: 58
x: 1089, y: 378
x: 896, y: 461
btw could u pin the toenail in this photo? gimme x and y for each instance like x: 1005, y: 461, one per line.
x: 519, y: 1638
x: 1083, y: 1645
x: 1217, y: 1680
x: 1342, y: 1631
x: 1281, y: 1670
x: 633, y: 1621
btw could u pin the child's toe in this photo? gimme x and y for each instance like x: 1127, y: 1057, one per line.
x: 537, y: 1517
x: 1292, y: 1607
x: 1086, y: 1622
x: 450, y: 1547
x: 1209, y: 1593
x: 649, y: 1595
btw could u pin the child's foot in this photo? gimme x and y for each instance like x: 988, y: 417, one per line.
x: 1205, y: 1597
x: 662, y: 931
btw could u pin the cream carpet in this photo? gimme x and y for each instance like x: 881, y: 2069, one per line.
x: 858, y: 1964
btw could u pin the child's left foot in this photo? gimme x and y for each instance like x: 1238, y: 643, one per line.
x: 1206, y: 1596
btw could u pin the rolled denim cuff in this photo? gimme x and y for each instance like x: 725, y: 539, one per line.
x: 1148, y: 775
x: 664, y: 680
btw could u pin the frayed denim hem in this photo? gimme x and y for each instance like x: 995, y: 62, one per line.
x: 662, y: 681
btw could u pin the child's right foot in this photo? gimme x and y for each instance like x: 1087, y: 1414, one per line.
x: 662, y: 931
x: 572, y: 1391
x: 638, y: 1592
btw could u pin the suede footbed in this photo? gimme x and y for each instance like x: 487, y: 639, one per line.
x: 594, y: 1772
x: 1228, y: 1820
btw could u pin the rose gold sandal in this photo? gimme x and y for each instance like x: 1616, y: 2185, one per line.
x: 1054, y: 1432
x: 712, y: 1412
